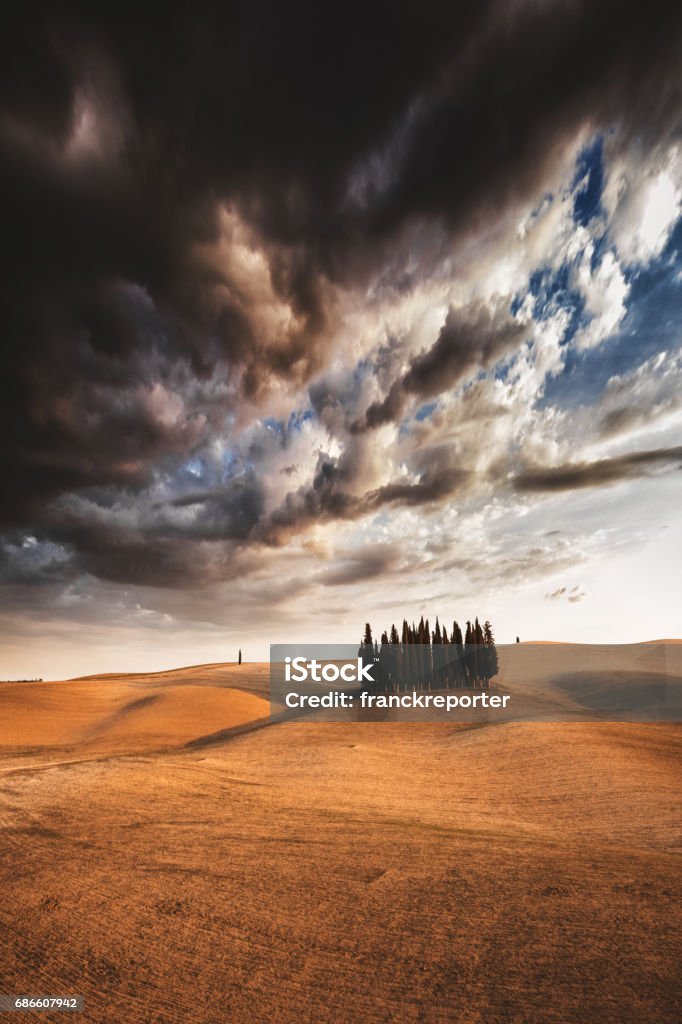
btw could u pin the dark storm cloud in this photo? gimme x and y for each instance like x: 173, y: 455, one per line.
x: 594, y: 474
x: 471, y: 338
x: 148, y: 544
x: 333, y: 496
x: 230, y: 513
x: 117, y: 554
x: 121, y: 139
x: 362, y: 566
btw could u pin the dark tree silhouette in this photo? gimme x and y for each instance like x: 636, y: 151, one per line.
x: 367, y: 649
x: 447, y: 655
x: 468, y: 656
x: 491, y: 660
x: 417, y: 658
x: 437, y: 660
x: 459, y: 666
x: 478, y: 652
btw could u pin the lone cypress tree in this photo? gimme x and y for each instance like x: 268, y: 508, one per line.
x: 240, y: 657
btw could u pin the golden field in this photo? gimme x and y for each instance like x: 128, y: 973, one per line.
x: 173, y: 856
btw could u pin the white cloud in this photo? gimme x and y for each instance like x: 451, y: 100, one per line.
x: 605, y: 291
x: 642, y: 196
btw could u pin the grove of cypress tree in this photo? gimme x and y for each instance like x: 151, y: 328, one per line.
x: 418, y: 658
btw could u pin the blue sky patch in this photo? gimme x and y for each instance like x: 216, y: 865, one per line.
x: 424, y: 411
x: 589, y: 182
x: 651, y: 325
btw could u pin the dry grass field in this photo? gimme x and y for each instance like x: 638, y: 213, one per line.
x: 172, y: 857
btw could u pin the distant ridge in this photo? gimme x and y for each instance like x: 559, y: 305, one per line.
x: 154, y: 672
x: 217, y: 665
x: 581, y: 643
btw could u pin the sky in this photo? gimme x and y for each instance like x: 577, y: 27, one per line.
x: 317, y: 318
